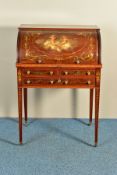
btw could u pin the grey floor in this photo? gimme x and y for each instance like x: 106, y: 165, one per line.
x: 58, y: 147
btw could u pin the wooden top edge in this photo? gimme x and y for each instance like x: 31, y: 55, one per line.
x: 45, y: 26
x: 57, y: 65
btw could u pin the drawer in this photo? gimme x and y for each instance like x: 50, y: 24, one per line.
x: 76, y: 72
x: 59, y: 82
x: 80, y: 81
x: 39, y: 72
x: 35, y: 81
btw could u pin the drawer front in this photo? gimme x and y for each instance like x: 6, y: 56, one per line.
x: 59, y: 82
x: 37, y: 81
x: 39, y: 72
x: 76, y: 72
x: 67, y: 46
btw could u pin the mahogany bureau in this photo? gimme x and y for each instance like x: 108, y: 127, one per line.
x: 58, y: 57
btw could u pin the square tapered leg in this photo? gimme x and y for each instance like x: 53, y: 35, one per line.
x: 97, y: 94
x: 91, y: 107
x: 20, y: 113
x: 25, y: 104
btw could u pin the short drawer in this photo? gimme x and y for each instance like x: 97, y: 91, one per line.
x: 78, y: 82
x: 38, y: 72
x: 41, y: 81
x: 33, y: 82
x: 76, y: 72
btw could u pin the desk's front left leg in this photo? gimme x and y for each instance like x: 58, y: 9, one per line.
x: 25, y: 104
x: 20, y: 113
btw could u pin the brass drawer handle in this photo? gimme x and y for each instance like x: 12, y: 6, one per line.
x: 66, y: 73
x: 88, y: 73
x: 51, y: 72
x: 28, y: 72
x: 78, y: 61
x: 59, y: 81
x: 51, y: 81
x: 28, y: 81
x: 89, y: 82
x: 39, y: 61
x: 66, y: 82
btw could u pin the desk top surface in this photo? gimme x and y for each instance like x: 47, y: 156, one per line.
x: 44, y: 26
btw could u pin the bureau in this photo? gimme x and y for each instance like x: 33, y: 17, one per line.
x: 58, y: 57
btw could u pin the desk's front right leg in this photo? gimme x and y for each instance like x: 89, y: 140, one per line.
x: 91, y: 107
x: 97, y: 94
x: 20, y: 113
x: 97, y: 98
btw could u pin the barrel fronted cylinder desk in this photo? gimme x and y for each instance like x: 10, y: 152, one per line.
x: 58, y: 57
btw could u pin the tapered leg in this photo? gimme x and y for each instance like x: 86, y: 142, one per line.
x: 91, y: 106
x: 25, y: 104
x: 97, y: 94
x: 20, y: 113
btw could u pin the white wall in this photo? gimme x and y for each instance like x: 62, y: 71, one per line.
x: 58, y: 102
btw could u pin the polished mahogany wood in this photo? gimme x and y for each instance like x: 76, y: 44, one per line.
x: 25, y: 104
x: 59, y: 57
x: 88, y: 66
x: 20, y: 113
x: 58, y: 47
x: 91, y: 106
x: 97, y: 94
